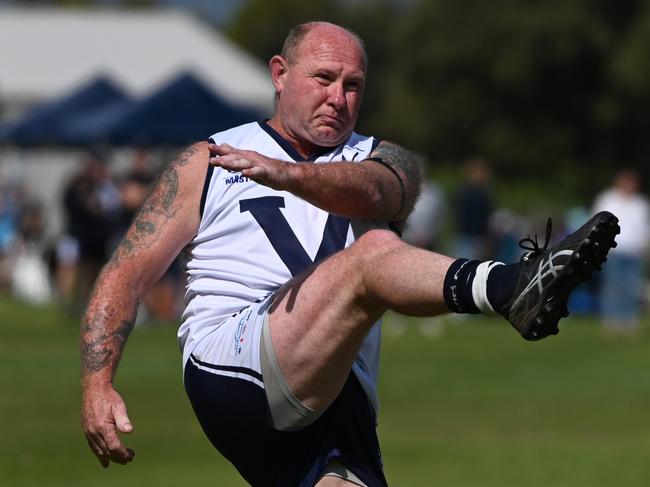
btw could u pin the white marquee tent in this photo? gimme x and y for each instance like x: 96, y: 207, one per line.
x: 46, y: 52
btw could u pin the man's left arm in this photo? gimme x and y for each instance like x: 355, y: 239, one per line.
x: 383, y: 187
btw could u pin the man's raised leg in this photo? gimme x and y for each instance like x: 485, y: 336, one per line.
x: 318, y: 320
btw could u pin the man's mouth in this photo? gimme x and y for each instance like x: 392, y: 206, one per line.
x: 330, y: 120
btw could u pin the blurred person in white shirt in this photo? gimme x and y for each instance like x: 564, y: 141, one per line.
x: 622, y: 284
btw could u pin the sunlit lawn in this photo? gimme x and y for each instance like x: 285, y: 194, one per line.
x: 475, y: 406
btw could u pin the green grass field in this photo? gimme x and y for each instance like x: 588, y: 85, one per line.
x: 476, y: 406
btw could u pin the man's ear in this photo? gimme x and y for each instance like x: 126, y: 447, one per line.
x: 279, y: 69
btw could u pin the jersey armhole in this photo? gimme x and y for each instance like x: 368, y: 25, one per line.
x: 206, y: 183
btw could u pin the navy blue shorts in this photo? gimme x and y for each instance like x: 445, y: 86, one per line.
x: 234, y: 415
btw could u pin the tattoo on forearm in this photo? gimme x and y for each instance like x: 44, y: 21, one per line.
x: 159, y: 206
x: 144, y: 227
x: 169, y: 182
x: 97, y: 352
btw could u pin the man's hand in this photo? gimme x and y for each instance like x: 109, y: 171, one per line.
x: 270, y: 172
x: 103, y: 415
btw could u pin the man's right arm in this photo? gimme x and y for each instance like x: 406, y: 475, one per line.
x: 167, y: 221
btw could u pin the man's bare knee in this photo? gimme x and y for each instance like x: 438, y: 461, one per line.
x: 377, y: 236
x: 373, y: 244
x: 370, y: 252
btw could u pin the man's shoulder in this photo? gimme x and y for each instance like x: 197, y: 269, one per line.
x: 235, y: 133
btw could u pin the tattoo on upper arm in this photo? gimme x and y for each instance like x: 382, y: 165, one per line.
x: 399, y: 159
x: 159, y: 206
x: 405, y: 165
x: 97, y: 352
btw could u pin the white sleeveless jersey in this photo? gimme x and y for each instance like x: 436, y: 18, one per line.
x: 252, y: 239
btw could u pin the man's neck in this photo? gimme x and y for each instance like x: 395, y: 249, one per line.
x: 305, y: 148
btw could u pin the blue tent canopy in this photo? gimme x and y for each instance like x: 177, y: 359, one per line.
x: 92, y: 127
x: 46, y: 123
x: 181, y: 112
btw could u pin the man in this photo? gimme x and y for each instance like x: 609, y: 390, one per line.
x: 291, y: 265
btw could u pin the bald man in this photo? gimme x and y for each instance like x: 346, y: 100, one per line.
x: 291, y: 226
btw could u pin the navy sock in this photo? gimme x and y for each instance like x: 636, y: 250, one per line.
x: 457, y: 288
x: 501, y: 284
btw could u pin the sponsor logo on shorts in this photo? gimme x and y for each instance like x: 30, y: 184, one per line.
x: 239, y: 333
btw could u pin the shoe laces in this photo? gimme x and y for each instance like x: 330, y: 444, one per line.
x: 533, y: 245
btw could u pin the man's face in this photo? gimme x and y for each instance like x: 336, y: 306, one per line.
x: 320, y: 92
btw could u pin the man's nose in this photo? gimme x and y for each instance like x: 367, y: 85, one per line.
x: 336, y: 95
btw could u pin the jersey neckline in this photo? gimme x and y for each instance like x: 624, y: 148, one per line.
x: 288, y: 148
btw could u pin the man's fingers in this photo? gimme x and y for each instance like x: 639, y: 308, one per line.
x: 99, y: 448
x: 249, y: 164
x: 228, y: 159
x: 124, y: 457
x: 110, y: 450
x: 118, y: 452
x: 220, y: 149
x: 254, y: 172
x: 231, y: 162
x: 121, y: 418
x: 130, y: 455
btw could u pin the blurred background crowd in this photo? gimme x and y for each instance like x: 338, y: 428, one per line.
x: 519, y: 111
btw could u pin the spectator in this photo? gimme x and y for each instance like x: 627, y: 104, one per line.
x: 474, y: 206
x: 623, y: 277
x: 8, y: 230
x: 91, y: 203
x: 13, y: 201
x: 424, y: 225
x: 506, y: 228
x: 30, y: 280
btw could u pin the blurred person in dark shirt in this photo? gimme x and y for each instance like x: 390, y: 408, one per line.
x: 474, y: 206
x: 91, y: 203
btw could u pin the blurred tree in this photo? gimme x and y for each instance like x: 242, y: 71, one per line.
x: 529, y: 85
x: 262, y: 26
x: 555, y: 91
x: 630, y: 75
